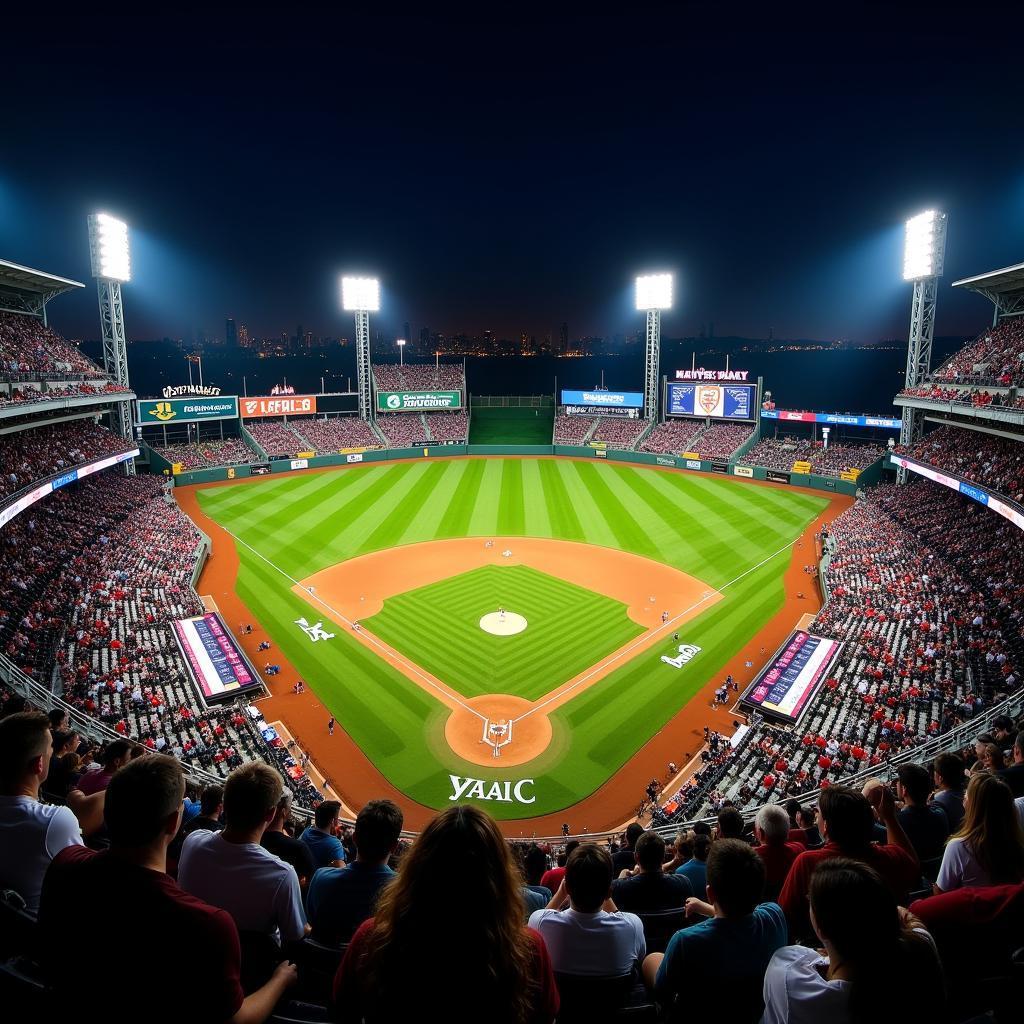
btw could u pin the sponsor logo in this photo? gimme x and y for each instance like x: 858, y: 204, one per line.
x: 742, y: 470
x: 687, y: 652
x: 400, y: 401
x: 600, y: 453
x: 65, y: 479
x: 716, y: 375
x: 776, y: 478
x: 231, y: 472
x: 663, y: 460
x: 300, y: 463
x: 394, y: 401
x: 693, y: 463
x: 315, y: 632
x: 718, y: 466
x: 289, y: 405
x: 354, y: 458
x: 259, y: 470
x: 190, y: 389
x: 163, y: 411
x: 504, y: 792
x: 972, y: 492
x: 707, y: 398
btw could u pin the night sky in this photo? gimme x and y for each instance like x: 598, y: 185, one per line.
x: 509, y: 173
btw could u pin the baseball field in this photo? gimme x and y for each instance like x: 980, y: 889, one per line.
x: 420, y: 575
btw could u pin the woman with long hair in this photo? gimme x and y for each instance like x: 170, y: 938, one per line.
x: 989, y: 847
x: 449, y: 927
x: 879, y: 961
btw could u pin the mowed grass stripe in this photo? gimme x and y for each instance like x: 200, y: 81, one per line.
x: 629, y: 534
x: 565, y: 524
x: 538, y: 523
x: 511, y: 515
x: 395, y: 522
x: 455, y: 520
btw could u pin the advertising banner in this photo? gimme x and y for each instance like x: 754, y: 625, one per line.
x: 417, y: 401
x: 776, y: 477
x: 733, y: 402
x: 693, y: 463
x: 300, y: 463
x: 839, y: 418
x: 186, y: 410
x: 220, y: 670
x: 354, y: 457
x: 665, y: 460
x: 600, y: 453
x: 784, y: 688
x: 262, y: 470
x: 719, y: 466
x: 743, y: 471
x: 712, y: 376
x: 63, y: 481
x: 283, y: 405
x: 305, y: 455
x: 591, y: 410
x: 604, y: 399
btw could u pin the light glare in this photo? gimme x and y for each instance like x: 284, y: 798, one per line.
x: 920, y: 250
x: 108, y: 238
x: 360, y: 293
x: 654, y: 291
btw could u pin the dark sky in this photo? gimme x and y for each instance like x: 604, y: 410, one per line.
x: 513, y: 171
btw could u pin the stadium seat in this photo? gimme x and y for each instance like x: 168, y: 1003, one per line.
x: 591, y: 999
x: 317, y: 964
x: 18, y: 927
x: 660, y: 926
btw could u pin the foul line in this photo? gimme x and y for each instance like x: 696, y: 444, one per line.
x: 645, y: 638
x: 390, y: 652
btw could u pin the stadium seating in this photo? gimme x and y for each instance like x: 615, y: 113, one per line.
x: 720, y: 440
x: 31, y: 351
x: 331, y: 435
x: 25, y: 393
x: 994, y: 462
x: 994, y: 359
x: 276, y: 438
x: 414, y: 377
x: 229, y: 451
x: 620, y: 431
x: 447, y: 426
x: 977, y: 398
x: 674, y: 436
x: 780, y: 453
x: 574, y: 429
x: 402, y: 429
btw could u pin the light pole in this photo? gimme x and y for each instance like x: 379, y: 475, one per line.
x: 361, y: 295
x: 653, y: 294
x: 401, y: 351
x: 111, y: 264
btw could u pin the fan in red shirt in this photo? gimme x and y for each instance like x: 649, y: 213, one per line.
x: 771, y: 827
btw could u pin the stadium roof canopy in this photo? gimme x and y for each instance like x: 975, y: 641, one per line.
x: 24, y: 290
x: 1003, y: 288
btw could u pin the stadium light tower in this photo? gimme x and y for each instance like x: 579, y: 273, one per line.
x: 111, y: 264
x: 361, y: 295
x: 653, y: 294
x: 401, y: 351
x: 924, y: 253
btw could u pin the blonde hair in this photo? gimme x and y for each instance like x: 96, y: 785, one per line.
x: 991, y: 829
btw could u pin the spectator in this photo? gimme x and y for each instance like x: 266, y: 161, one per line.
x: 292, y: 851
x: 1014, y: 775
x: 592, y: 937
x: 730, y: 824
x: 230, y: 870
x: 988, y: 848
x: 694, y: 870
x: 117, y: 755
x: 211, y: 807
x: 648, y: 888
x: 625, y: 859
x: 925, y: 824
x: 327, y: 849
x: 143, y: 810
x: 552, y: 878
x: 879, y: 962
x: 807, y: 827
x: 456, y: 900
x: 732, y: 946
x: 341, y: 899
x: 31, y: 833
x: 846, y: 821
x: 771, y: 828
x: 63, y: 773
x: 948, y: 775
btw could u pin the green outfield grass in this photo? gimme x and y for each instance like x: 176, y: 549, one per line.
x: 511, y: 425
x: 569, y: 629
x: 717, y: 529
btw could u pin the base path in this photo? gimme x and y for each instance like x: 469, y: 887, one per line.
x: 656, y: 596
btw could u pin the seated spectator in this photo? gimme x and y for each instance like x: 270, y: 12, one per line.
x: 456, y: 900
x: 925, y: 824
x: 211, y: 807
x: 291, y: 850
x: 1013, y: 776
x: 230, y: 870
x: 327, y: 849
x: 624, y: 858
x: 552, y: 878
x: 847, y: 823
x: 730, y: 824
x: 191, y: 943
x: 63, y: 773
x: 591, y: 937
x: 117, y: 755
x: 694, y: 870
x: 31, y: 833
x: 341, y: 899
x: 648, y: 888
x: 731, y: 947
x: 988, y: 848
x: 777, y: 853
x: 879, y: 962
x: 948, y: 776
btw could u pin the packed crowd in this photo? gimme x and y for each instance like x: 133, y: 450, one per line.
x: 402, y: 429
x: 447, y: 426
x: 979, y: 398
x: 781, y: 452
x: 227, y: 451
x: 331, y: 435
x: 52, y: 449
x: 43, y: 393
x: 675, y: 436
x: 28, y: 348
x: 994, y: 462
x: 995, y: 358
x: 720, y: 440
x: 574, y: 429
x: 620, y: 431
x: 276, y: 438
x: 419, y: 377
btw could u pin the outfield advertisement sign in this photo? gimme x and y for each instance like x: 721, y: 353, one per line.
x: 260, y: 470
x: 300, y: 463
x: 186, y: 410
x: 693, y: 463
x: 743, y: 471
x: 785, y: 687
x: 776, y: 477
x: 219, y: 668
x: 481, y: 789
x: 590, y: 410
x: 665, y: 460
x: 731, y: 402
x: 417, y: 401
x: 604, y: 399
x: 354, y: 457
x: 719, y: 466
x: 283, y: 405
x: 838, y: 418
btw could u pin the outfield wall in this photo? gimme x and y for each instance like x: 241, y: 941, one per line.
x: 724, y: 467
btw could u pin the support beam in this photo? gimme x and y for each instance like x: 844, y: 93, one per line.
x: 653, y: 360
x: 115, y: 357
x: 363, y: 377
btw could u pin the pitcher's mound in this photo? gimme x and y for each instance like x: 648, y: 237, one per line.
x: 503, y: 623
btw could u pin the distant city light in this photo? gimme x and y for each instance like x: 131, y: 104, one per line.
x: 654, y: 291
x: 923, y: 248
x: 108, y: 248
x: 360, y: 293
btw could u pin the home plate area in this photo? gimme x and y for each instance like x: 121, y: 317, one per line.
x: 502, y: 623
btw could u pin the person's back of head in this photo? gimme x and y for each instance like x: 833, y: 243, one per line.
x: 115, y: 754
x: 633, y: 833
x: 730, y: 823
x: 25, y: 747
x: 212, y: 798
x: 994, y: 757
x: 849, y: 820
x: 949, y: 769
x: 650, y: 852
x: 535, y: 863
x: 992, y: 830
x: 325, y: 814
x: 772, y: 824
x: 684, y: 846
x: 564, y: 856
x: 916, y: 782
x: 588, y: 877
x: 378, y: 826
x: 792, y: 809
x: 58, y: 719
x: 701, y: 847
x: 735, y: 877
x: 856, y: 917
x: 251, y: 795
x: 805, y: 818
x: 143, y: 803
